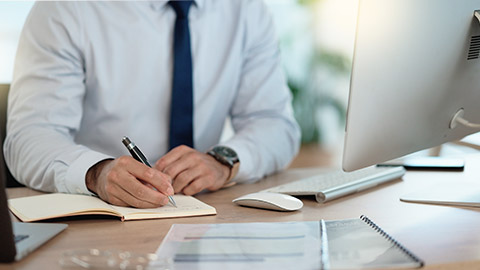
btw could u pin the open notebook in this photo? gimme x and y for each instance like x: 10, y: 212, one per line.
x: 57, y: 205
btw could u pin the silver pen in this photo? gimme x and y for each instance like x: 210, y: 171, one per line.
x: 138, y: 155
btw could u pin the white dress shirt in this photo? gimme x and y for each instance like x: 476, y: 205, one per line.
x: 88, y: 73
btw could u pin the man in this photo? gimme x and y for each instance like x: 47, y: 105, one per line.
x: 166, y: 74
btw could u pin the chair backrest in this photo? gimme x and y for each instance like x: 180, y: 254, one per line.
x: 7, y: 248
x: 11, y: 182
x: 3, y: 109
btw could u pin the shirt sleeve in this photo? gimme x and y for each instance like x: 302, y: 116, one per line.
x: 45, y: 103
x: 267, y: 137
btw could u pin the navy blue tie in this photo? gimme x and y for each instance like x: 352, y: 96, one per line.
x: 181, y: 112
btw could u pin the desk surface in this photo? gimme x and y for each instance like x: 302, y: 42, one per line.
x: 444, y: 237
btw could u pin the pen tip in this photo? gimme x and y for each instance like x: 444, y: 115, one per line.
x: 172, y: 201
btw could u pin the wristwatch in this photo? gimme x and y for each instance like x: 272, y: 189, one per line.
x: 227, y: 156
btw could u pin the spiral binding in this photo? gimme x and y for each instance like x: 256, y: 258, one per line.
x: 391, y: 239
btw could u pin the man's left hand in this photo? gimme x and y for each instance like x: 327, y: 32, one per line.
x: 192, y: 171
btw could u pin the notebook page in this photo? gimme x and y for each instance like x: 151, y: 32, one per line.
x: 186, y: 206
x: 53, y: 205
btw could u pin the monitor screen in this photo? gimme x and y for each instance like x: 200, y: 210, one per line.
x: 415, y: 67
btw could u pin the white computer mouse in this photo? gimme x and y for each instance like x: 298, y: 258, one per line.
x: 270, y: 201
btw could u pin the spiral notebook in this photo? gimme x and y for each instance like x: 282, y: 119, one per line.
x: 361, y: 244
x: 336, y: 244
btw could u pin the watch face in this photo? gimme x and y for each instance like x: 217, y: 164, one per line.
x: 225, y: 151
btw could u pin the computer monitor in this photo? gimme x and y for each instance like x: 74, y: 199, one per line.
x: 415, y: 67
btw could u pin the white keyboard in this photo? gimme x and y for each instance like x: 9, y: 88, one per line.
x: 333, y: 184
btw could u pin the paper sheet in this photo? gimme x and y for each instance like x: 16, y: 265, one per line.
x: 285, y: 245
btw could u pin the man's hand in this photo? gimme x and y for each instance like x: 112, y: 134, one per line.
x: 126, y: 182
x: 192, y: 171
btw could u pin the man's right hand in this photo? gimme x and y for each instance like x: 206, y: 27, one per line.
x: 126, y: 182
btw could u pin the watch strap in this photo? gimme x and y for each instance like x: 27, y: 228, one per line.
x: 232, y: 163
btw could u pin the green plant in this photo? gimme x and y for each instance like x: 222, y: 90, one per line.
x: 312, y: 75
x: 310, y: 95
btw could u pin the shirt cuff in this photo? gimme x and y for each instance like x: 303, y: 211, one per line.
x: 75, y: 177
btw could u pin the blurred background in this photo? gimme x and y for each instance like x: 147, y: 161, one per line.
x: 316, y: 40
x: 12, y: 17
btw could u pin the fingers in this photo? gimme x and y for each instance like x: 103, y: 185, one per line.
x: 177, y: 161
x: 127, y: 182
x: 187, y: 161
x: 171, y: 157
x: 187, y: 177
x: 195, y: 187
x: 125, y: 201
x: 130, y: 190
x: 123, y: 198
x: 192, y: 171
x: 117, y: 201
x: 151, y: 177
x: 206, y: 179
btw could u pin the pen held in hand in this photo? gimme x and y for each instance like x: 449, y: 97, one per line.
x: 138, y: 155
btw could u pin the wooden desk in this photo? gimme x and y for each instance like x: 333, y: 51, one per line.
x: 444, y: 237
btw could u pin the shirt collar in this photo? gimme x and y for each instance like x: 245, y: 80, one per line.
x: 159, y: 4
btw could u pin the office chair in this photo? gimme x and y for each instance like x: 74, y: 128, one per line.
x: 11, y: 182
